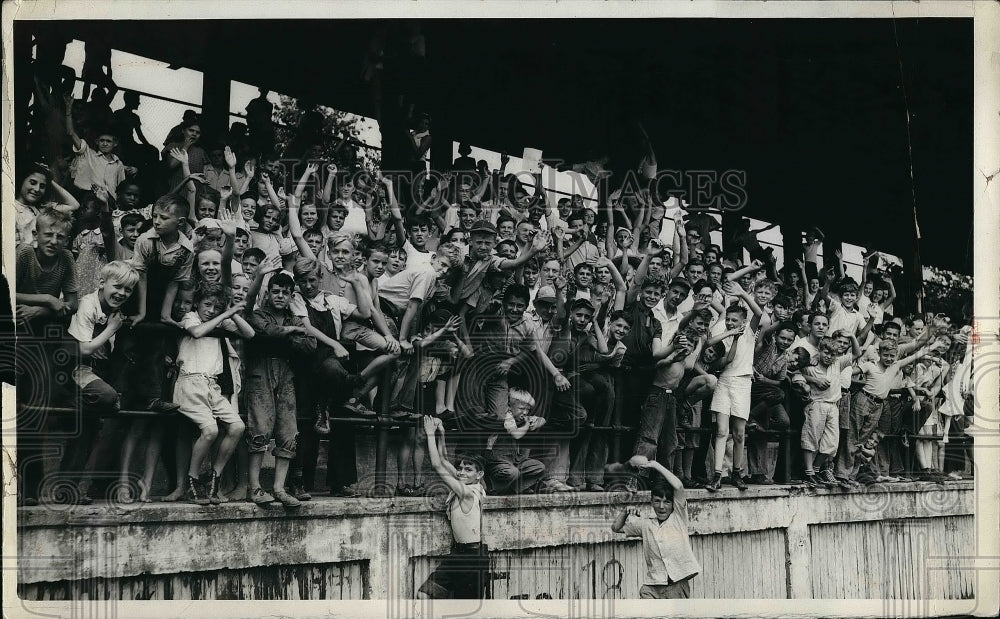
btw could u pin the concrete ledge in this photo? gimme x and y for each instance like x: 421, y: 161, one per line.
x: 106, y: 514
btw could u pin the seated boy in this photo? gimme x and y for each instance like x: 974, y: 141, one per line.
x: 164, y: 258
x: 270, y: 387
x: 508, y: 467
x: 94, y: 326
x: 462, y: 574
x: 197, y: 391
x: 666, y: 545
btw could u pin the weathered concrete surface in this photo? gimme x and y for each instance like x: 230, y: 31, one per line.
x: 766, y: 541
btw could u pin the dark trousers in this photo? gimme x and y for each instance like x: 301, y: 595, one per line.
x: 767, y: 409
x: 589, y: 450
x: 658, y: 427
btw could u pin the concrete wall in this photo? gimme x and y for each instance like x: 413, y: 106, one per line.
x: 770, y: 542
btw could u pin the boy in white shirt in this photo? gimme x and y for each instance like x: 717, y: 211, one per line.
x: 200, y: 361
x: 670, y: 562
x: 820, y: 430
x: 731, y: 399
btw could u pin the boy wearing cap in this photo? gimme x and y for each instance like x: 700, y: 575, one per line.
x: 483, y: 238
x: 461, y: 574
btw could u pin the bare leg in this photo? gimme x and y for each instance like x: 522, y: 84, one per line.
x: 226, y: 446
x: 452, y: 391
x: 739, y: 440
x: 440, y: 397
x: 152, y: 458
x: 182, y: 458
x: 404, y: 457
x: 280, y: 473
x: 419, y: 451
x: 256, y: 461
x: 201, y: 448
x: 135, y: 431
x: 721, y: 436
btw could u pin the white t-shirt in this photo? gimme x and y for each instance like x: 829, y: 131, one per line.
x: 409, y: 284
x: 742, y: 363
x: 416, y: 259
x: 356, y: 222
x: 200, y: 355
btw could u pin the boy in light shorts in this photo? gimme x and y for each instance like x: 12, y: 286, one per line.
x: 200, y: 360
x: 731, y: 398
x: 821, y: 428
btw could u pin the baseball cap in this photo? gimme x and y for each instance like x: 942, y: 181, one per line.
x: 546, y: 294
x: 482, y: 226
x: 582, y: 303
x: 207, y: 223
x: 286, y: 247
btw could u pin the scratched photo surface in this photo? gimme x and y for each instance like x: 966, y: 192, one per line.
x: 584, y: 310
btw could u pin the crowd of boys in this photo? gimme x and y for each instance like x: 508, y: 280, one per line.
x: 254, y: 303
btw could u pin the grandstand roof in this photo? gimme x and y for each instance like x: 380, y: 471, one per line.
x: 813, y: 110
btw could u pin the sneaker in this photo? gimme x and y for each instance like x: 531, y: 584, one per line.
x: 716, y: 484
x: 357, y: 407
x: 757, y: 479
x: 810, y: 480
x: 195, y: 492
x: 258, y: 496
x: 827, y: 479
x: 737, y: 481
x: 286, y: 499
x: 212, y: 489
x: 954, y: 476
x: 160, y: 406
x: 595, y: 488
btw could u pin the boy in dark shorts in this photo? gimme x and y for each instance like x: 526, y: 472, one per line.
x: 461, y: 574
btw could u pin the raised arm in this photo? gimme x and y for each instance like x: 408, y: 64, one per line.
x: 70, y: 128
x: 300, y: 187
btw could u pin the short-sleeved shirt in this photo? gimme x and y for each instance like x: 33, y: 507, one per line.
x: 639, y: 341
x: 200, y: 355
x: 831, y: 373
x: 878, y: 380
x: 666, y: 546
x: 91, y: 167
x: 769, y: 362
x: 668, y: 324
x: 180, y: 255
x: 57, y: 279
x: 475, y: 275
x: 267, y: 242
x: 89, y: 321
x: 415, y: 258
x: 742, y: 363
x: 841, y: 318
x: 497, y: 334
x: 218, y: 179
x: 24, y: 223
x: 356, y: 221
x: 408, y: 284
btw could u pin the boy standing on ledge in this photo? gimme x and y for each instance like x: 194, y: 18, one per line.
x: 670, y: 563
x: 462, y: 574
